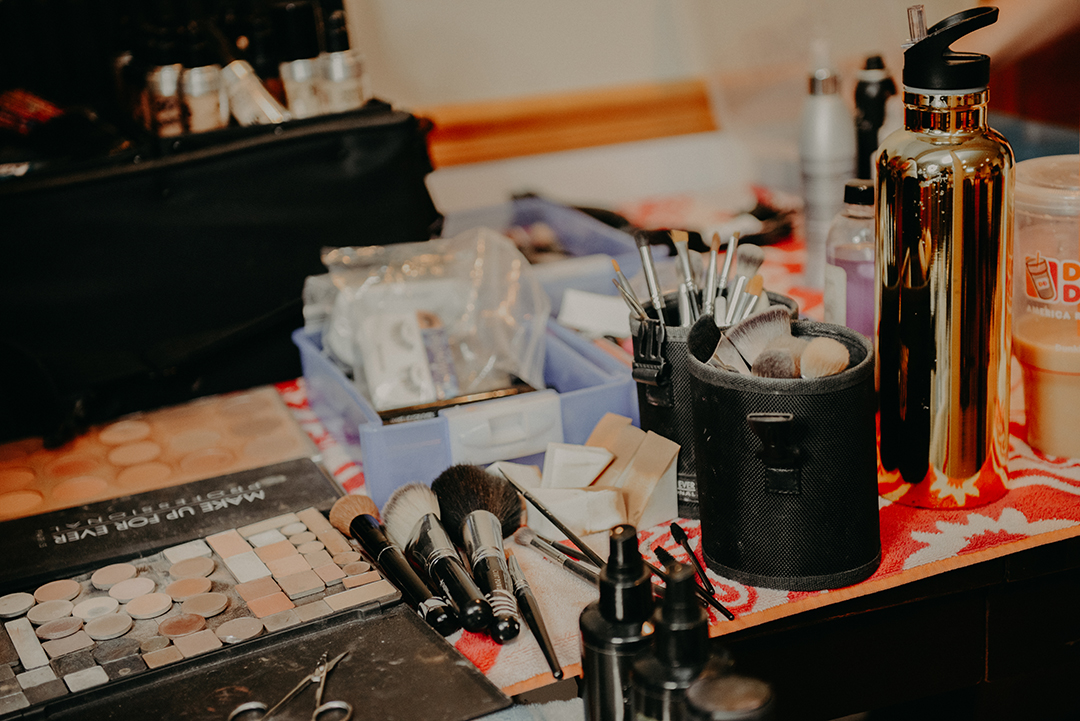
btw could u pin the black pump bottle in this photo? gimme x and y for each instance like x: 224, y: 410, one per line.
x: 613, y: 631
x: 677, y: 654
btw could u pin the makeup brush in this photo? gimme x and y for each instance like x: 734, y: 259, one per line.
x: 412, y: 522
x: 754, y: 286
x: 358, y: 517
x: 708, y: 299
x: 750, y: 259
x: 526, y: 537
x: 824, y: 357
x: 681, y: 240
x: 751, y: 335
x: 733, y: 298
x: 729, y: 259
x: 478, y: 509
x: 726, y: 357
x: 641, y: 237
x: 794, y: 345
x: 683, y: 540
x: 530, y: 609
x: 593, y: 556
x: 627, y: 292
x: 775, y: 363
x: 568, y: 550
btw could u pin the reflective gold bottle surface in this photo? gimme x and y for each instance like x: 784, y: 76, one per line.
x: 944, y: 228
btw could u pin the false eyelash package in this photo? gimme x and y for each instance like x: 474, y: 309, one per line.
x: 418, y: 324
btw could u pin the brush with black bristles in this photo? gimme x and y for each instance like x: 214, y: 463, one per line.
x: 412, y: 521
x: 357, y: 516
x: 479, y: 509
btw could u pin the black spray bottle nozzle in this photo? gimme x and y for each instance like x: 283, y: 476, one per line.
x: 682, y: 627
x: 625, y: 582
x: 929, y: 63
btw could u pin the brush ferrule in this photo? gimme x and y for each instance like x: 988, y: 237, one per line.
x: 429, y: 542
x: 482, y: 534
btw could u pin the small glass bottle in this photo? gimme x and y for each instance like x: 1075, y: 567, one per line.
x: 344, y: 85
x: 849, y: 261
x: 296, y: 27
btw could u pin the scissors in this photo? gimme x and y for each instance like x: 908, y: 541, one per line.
x: 322, y: 670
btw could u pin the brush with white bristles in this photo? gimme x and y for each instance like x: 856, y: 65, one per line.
x: 749, y: 261
x: 479, y: 509
x: 412, y: 522
x: 358, y: 517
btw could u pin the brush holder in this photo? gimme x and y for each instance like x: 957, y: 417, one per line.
x: 787, y: 468
x: 663, y: 388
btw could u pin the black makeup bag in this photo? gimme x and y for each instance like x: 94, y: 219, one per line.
x: 664, y: 392
x: 129, y: 285
x: 787, y: 468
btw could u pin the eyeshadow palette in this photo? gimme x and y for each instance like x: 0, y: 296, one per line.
x: 81, y: 633
x: 73, y: 540
x: 202, y: 439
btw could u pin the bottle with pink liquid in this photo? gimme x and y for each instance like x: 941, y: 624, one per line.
x: 849, y: 261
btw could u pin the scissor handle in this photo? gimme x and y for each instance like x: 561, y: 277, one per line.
x: 330, y: 706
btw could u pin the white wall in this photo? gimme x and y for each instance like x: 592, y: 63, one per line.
x: 432, y: 52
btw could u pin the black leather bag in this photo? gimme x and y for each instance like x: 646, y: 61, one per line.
x: 133, y: 286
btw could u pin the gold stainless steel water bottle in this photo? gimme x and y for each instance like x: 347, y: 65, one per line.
x: 944, y: 234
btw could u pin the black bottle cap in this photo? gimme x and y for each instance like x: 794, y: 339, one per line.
x: 625, y: 582
x: 337, y: 34
x: 874, y: 62
x: 859, y: 192
x: 681, y: 635
x: 930, y: 64
x: 198, y: 51
x: 297, y: 30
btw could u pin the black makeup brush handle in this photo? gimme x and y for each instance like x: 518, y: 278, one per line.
x: 474, y: 610
x: 436, y: 611
x: 493, y: 577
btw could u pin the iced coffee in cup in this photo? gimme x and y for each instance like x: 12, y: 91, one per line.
x: 1046, y: 300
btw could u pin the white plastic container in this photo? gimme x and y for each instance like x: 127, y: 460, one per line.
x: 1046, y: 299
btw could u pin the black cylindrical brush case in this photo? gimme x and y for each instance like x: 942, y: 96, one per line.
x: 787, y: 467
x: 663, y: 388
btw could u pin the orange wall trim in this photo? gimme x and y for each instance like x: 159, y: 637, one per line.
x: 491, y: 130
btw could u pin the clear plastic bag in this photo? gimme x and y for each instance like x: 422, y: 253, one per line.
x: 423, y: 323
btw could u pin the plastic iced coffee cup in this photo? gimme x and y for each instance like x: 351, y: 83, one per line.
x: 1046, y: 300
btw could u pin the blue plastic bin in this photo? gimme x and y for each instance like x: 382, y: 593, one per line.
x: 587, y: 382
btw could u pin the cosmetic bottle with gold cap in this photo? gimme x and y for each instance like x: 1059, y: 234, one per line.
x: 943, y: 277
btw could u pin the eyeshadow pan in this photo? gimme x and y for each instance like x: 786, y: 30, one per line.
x: 123, y: 667
x: 301, y: 538
x: 103, y: 628
x: 239, y: 629
x: 14, y: 702
x: 362, y: 580
x: 16, y: 604
x: 186, y: 588
x: 267, y: 523
x: 131, y: 454
x: 69, y: 644
x: 205, y: 604
x: 126, y: 431
x: 358, y: 596
x: 270, y: 605
x: 193, y: 568
x: 49, y: 611
x: 79, y: 488
x: 62, y: 590
x: 117, y: 648
x: 288, y: 566
x: 228, y: 543
x: 246, y: 567
x: 59, y: 628
x: 314, y: 520
x: 26, y: 643
x: 330, y: 573
x: 19, y: 503
x: 266, y: 538
x: 154, y: 643
x: 258, y: 588
x: 318, y: 558
x: 197, y: 643
x: 313, y: 610
x: 36, y: 677
x: 355, y: 569
x: 94, y: 607
x: 310, y: 547
x: 302, y: 584
x: 335, y: 543
x: 182, y: 625
x: 293, y: 528
x: 191, y: 549
x: 278, y: 621
x: 145, y: 476
x: 343, y: 559
x: 108, y: 576
x: 128, y: 590
x: 276, y: 551
x: 151, y: 605
x: 46, y: 691
x: 162, y: 657
x: 87, y: 678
